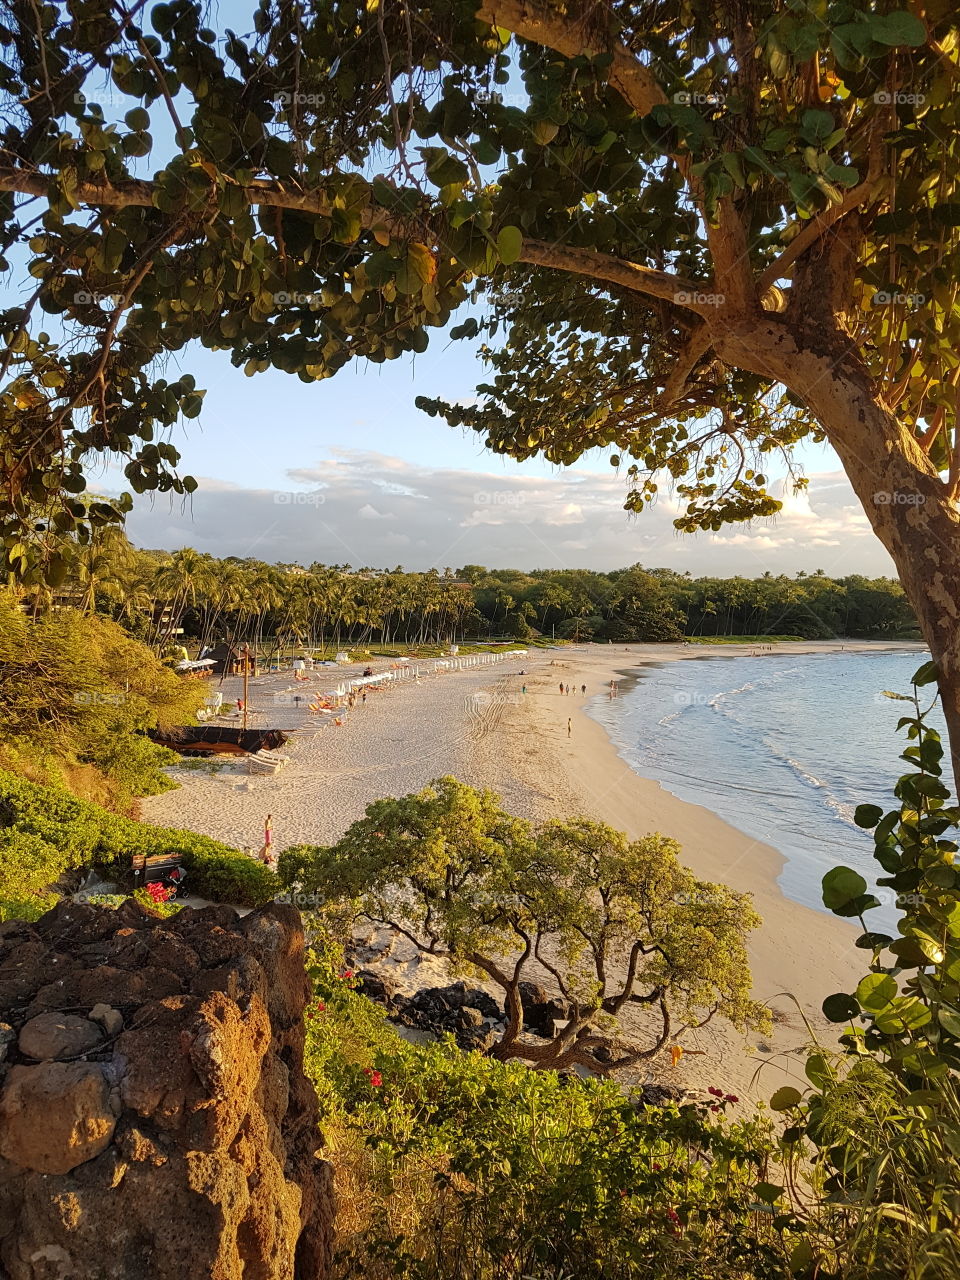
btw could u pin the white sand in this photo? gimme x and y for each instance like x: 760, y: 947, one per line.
x: 478, y: 726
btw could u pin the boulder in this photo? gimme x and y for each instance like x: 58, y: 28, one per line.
x: 55, y: 1116
x: 465, y: 1012
x: 58, y: 1035
x: 375, y: 986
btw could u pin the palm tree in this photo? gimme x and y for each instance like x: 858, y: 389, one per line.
x: 186, y: 577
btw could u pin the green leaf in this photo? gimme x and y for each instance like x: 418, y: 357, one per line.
x: 138, y: 119
x: 734, y: 166
x: 841, y: 885
x: 544, y: 132
x: 785, y: 1098
x: 816, y: 125
x: 840, y: 1008
x: 898, y: 29
x: 509, y: 244
x: 876, y: 990
x: 867, y: 815
x: 926, y: 674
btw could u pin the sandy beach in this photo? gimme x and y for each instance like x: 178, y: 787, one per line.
x: 479, y: 726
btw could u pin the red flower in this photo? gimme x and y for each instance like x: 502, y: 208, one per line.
x: 375, y: 1078
x: 347, y: 975
x: 717, y: 1093
x: 656, y: 1167
x: 731, y: 1097
x: 321, y: 1006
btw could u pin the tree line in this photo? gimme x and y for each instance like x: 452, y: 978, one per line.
x: 165, y: 597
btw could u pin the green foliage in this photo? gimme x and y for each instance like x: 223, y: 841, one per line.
x: 46, y: 833
x: 76, y: 694
x: 620, y: 925
x: 452, y: 1166
x: 883, y: 1122
x: 392, y: 205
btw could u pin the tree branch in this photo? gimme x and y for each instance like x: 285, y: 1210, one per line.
x: 695, y: 295
x: 813, y: 231
x: 133, y: 193
x: 698, y: 344
x: 542, y: 25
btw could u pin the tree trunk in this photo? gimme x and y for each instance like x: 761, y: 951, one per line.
x: 906, y: 502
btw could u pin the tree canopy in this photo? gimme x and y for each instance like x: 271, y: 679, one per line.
x: 616, y: 924
x: 706, y: 232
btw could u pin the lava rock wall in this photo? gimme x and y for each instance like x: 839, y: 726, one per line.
x: 155, y: 1119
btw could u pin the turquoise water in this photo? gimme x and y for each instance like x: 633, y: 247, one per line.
x: 782, y: 746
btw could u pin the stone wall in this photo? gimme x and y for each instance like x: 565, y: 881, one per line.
x: 155, y: 1120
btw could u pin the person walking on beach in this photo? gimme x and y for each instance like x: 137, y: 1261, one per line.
x: 523, y: 689
x: 583, y: 690
x: 561, y: 688
x: 363, y: 696
x: 569, y: 727
x: 266, y: 850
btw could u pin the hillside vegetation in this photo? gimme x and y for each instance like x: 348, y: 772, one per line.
x: 76, y: 694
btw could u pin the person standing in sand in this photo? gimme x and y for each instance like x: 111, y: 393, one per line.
x: 266, y: 851
x: 569, y: 727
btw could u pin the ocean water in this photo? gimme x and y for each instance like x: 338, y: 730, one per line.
x: 782, y: 746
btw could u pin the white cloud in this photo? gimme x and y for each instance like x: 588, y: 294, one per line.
x: 361, y: 507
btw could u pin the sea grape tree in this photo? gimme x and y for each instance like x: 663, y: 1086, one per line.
x: 613, y: 926
x: 705, y: 233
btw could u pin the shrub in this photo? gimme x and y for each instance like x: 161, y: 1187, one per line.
x: 881, y: 1125
x: 46, y: 832
x: 76, y: 694
x: 619, y: 924
x: 453, y: 1166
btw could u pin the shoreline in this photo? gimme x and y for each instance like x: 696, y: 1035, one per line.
x: 798, y: 956
x: 479, y: 726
